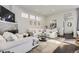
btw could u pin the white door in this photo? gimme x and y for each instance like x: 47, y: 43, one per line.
x: 68, y: 26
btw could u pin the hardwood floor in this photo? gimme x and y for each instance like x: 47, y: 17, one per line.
x: 66, y: 49
x: 67, y: 46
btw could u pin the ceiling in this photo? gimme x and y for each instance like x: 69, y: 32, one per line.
x: 46, y: 10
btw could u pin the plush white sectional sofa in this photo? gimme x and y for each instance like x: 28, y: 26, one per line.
x: 52, y: 33
x: 18, y: 44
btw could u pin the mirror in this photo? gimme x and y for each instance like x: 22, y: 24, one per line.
x: 69, y: 24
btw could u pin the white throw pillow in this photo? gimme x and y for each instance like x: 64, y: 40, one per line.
x: 9, y: 36
x: 21, y: 36
x: 14, y: 37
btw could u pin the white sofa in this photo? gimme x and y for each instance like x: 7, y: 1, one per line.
x: 18, y: 44
x: 52, y: 33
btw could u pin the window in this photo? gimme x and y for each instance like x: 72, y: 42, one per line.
x: 38, y: 18
x: 24, y: 15
x: 32, y: 17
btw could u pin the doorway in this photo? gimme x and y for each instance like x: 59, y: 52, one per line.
x: 68, y: 32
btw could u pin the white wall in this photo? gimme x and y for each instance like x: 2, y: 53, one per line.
x: 60, y: 18
x: 23, y: 23
x: 4, y: 26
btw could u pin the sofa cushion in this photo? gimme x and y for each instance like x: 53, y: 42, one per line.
x: 2, y: 41
x: 20, y: 36
x: 9, y: 36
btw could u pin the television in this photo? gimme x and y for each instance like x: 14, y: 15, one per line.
x: 6, y: 15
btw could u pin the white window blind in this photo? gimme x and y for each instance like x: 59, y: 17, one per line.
x: 24, y: 15
x: 32, y: 17
x: 38, y: 18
